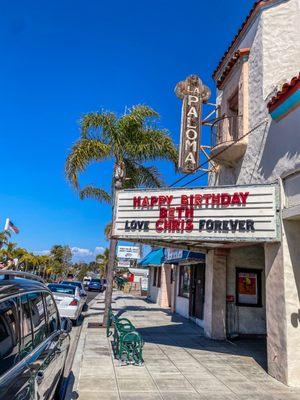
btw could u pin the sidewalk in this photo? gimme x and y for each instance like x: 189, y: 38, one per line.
x: 179, y: 362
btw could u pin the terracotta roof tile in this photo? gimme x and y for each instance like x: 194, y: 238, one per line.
x: 287, y: 89
x: 230, y: 65
x: 257, y: 6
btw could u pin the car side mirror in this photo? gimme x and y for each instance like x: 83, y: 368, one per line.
x: 66, y: 324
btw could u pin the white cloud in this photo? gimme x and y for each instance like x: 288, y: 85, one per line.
x: 98, y: 250
x: 80, y: 252
x: 41, y: 252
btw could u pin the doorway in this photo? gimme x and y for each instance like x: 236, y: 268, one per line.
x: 197, y: 286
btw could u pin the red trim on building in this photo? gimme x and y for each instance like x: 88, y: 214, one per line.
x: 236, y: 56
x: 257, y: 7
x: 286, y: 90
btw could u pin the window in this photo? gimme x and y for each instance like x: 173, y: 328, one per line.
x: 233, y: 112
x: 52, y: 316
x: 9, y: 335
x: 157, y: 276
x: 38, y: 318
x: 26, y: 327
x: 184, y: 281
x: 64, y: 289
x: 248, y: 287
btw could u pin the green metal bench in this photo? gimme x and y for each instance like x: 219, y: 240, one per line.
x: 127, y: 342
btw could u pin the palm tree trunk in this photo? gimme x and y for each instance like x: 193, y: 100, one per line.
x: 119, y: 175
x: 109, y: 278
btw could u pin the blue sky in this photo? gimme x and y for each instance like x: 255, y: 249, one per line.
x: 61, y: 59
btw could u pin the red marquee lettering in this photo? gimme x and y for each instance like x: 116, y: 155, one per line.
x: 163, y: 212
x: 153, y: 200
x: 161, y: 200
x: 145, y: 202
x: 136, y: 202
x: 225, y: 199
x: 244, y: 197
x: 184, y: 200
x: 158, y: 226
x: 235, y: 199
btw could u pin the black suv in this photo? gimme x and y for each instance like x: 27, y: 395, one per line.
x: 34, y: 340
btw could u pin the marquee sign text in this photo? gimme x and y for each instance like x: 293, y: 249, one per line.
x: 210, y: 214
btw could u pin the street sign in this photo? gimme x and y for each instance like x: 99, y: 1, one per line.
x: 123, y: 264
x: 209, y: 214
x: 129, y: 252
x: 193, y: 93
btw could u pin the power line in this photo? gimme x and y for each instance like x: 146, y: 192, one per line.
x: 214, y: 156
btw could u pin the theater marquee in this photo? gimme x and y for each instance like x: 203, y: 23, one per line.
x: 210, y: 214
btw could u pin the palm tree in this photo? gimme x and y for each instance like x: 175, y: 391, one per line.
x: 102, y: 260
x: 4, y: 238
x: 129, y: 141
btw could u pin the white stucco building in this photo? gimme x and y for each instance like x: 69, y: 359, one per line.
x: 257, y: 140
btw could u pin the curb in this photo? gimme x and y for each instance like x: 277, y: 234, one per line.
x: 77, y: 354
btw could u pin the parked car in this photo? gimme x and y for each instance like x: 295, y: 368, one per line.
x: 86, y: 281
x: 68, y: 300
x: 96, y: 284
x: 34, y: 339
x: 80, y: 287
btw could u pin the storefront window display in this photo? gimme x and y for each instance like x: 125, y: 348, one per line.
x: 184, y: 281
x: 248, y: 287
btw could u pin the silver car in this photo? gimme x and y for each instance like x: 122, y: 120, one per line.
x: 68, y: 300
x: 80, y: 286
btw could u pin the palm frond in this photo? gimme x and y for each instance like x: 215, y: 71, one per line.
x: 139, y: 175
x: 134, y: 121
x: 95, y: 193
x: 95, y: 123
x: 83, y: 153
x: 107, y: 230
x: 152, y: 144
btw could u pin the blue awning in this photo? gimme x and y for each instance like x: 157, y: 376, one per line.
x: 153, y: 259
x: 183, y: 255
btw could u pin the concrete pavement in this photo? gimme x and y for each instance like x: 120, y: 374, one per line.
x: 180, y: 363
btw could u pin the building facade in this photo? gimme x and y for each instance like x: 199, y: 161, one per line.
x: 256, y: 140
x: 250, y: 281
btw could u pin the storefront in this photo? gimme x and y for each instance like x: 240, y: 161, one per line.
x: 188, y: 275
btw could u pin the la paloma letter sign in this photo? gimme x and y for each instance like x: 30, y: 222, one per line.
x: 193, y: 93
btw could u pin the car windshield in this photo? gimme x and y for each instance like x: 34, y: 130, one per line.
x: 64, y: 289
x: 95, y: 281
x: 77, y: 284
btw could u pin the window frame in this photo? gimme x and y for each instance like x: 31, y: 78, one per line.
x: 15, y: 300
x: 45, y: 293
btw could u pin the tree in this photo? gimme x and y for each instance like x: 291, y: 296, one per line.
x: 61, y: 257
x: 129, y: 141
x: 4, y: 238
x: 102, y: 260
